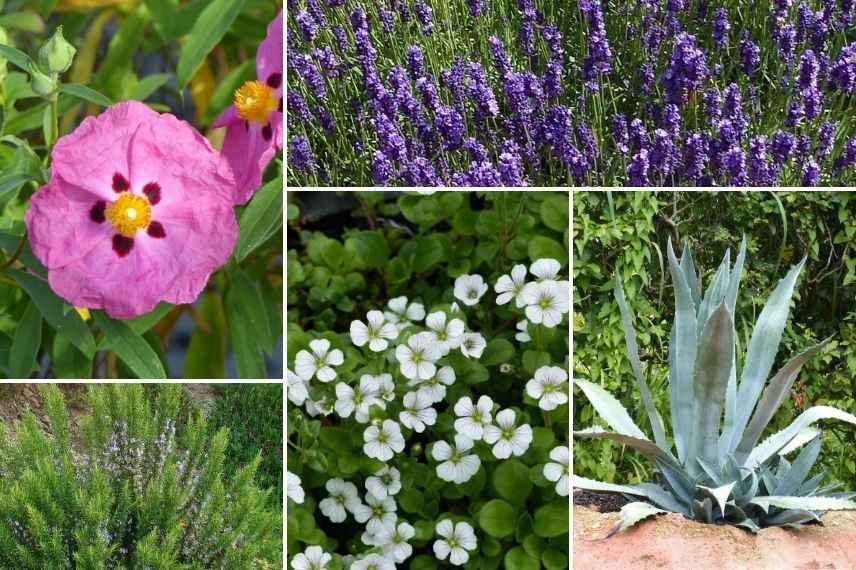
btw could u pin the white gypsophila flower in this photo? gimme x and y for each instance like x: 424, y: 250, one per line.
x: 511, y: 286
x: 457, y: 466
x: 313, y: 558
x: 359, y: 398
x: 383, y: 442
x: 324, y: 406
x: 506, y: 437
x: 318, y: 363
x: 545, y: 269
x: 546, y: 302
x: 418, y: 356
x: 373, y: 562
x: 417, y: 411
x: 394, y: 541
x: 469, y: 289
x: 385, y: 387
x: 548, y: 387
x: 343, y: 497
x: 454, y: 308
x: 559, y: 472
x: 473, y: 345
x: 376, y: 513
x: 402, y: 314
x: 435, y: 387
x: 371, y: 539
x: 457, y: 540
x: 293, y: 488
x: 295, y: 388
x: 523, y: 334
x: 473, y: 417
x: 377, y: 333
x: 446, y: 335
x: 385, y: 482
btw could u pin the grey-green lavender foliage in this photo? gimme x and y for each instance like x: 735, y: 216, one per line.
x: 138, y: 491
x: 720, y: 473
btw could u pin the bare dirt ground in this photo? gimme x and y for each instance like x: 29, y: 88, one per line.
x: 671, y: 542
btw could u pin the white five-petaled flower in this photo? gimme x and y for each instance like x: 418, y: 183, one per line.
x: 376, y: 513
x: 435, y: 387
x: 546, y: 302
x: 473, y: 345
x: 383, y: 442
x: 385, y: 482
x: 319, y: 363
x: 457, y: 540
x: 313, y: 558
x: 446, y: 335
x: 523, y: 334
x: 385, y: 387
x: 545, y: 269
x: 359, y: 398
x: 377, y: 333
x: 457, y: 466
x: 293, y: 489
x: 401, y: 314
x: 472, y: 418
x: 394, y: 541
x: 548, y: 387
x: 372, y: 562
x: 417, y: 411
x: 469, y: 289
x: 324, y: 406
x: 418, y: 356
x: 295, y: 388
x: 511, y: 286
x: 343, y: 497
x: 508, y: 438
x: 559, y: 471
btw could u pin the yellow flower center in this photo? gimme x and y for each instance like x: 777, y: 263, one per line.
x: 255, y: 101
x: 129, y: 213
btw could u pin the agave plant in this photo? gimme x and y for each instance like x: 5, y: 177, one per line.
x: 719, y: 473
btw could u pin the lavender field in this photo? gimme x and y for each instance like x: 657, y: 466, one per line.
x: 544, y: 92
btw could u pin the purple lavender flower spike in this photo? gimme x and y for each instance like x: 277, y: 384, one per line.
x: 381, y: 168
x: 510, y: 165
x: 477, y: 151
x: 620, y: 134
x: 824, y: 140
x: 735, y: 164
x: 476, y: 7
x: 760, y: 171
x: 297, y: 107
x: 808, y: 70
x: 599, y: 58
x: 425, y: 15
x: 813, y: 102
x: 696, y: 149
x: 637, y: 170
x: 481, y: 92
x: 501, y: 61
x: 787, y: 43
x: 317, y: 13
x: 721, y: 27
x: 415, y: 62
x: 341, y: 38
x: 782, y: 146
x: 795, y: 114
x: 553, y: 78
x: 843, y: 72
x: 750, y: 55
x: 450, y: 124
x: 300, y: 155
x: 686, y: 71
x: 386, y: 19
x: 662, y: 156
x: 307, y: 25
x: 810, y: 173
x: 712, y: 106
x: 638, y: 134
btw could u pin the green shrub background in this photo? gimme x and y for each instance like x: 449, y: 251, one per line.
x: 629, y: 230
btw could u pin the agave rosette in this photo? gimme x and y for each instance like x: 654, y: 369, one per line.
x: 719, y: 472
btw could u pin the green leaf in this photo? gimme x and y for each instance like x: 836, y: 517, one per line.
x: 12, y: 182
x: 25, y: 345
x: 68, y: 362
x: 424, y: 562
x: 260, y: 219
x: 518, y: 559
x: 370, y: 248
x: 534, y: 545
x: 17, y: 57
x: 610, y: 409
x: 511, y: 481
x: 206, y: 355
x: 552, y: 519
x: 554, y: 559
x: 123, y: 45
x: 543, y: 247
x: 130, y: 347
x: 143, y: 323
x: 249, y: 296
x: 148, y: 85
x: 69, y: 324
x: 242, y: 335
x: 497, y: 351
x: 212, y: 24
x: 555, y: 213
x: 411, y: 501
x: 429, y: 252
x: 85, y: 93
x: 533, y: 360
x: 496, y: 518
x: 26, y: 21
x: 542, y: 438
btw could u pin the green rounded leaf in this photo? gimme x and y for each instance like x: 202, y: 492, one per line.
x: 496, y: 518
x: 544, y: 247
x: 554, y: 559
x: 511, y: 481
x: 552, y: 519
x: 497, y: 351
x: 518, y: 559
x: 370, y: 248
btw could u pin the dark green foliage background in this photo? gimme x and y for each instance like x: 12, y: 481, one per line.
x: 628, y: 230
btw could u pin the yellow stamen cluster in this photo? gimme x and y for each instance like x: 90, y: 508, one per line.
x: 129, y: 213
x: 255, y: 102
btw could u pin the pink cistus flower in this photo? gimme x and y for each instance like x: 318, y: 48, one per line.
x: 254, y: 123
x: 138, y: 210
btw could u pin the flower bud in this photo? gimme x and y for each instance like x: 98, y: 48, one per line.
x: 42, y: 84
x: 57, y: 54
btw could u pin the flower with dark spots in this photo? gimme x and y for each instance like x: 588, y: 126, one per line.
x: 139, y: 210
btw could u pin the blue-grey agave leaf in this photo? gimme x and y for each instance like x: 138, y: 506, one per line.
x: 632, y: 513
x: 804, y: 436
x: 610, y: 409
x: 703, y: 510
x: 688, y: 267
x: 719, y: 494
x: 812, y: 486
x: 790, y: 482
x: 780, y: 439
x: 793, y: 517
x: 678, y: 480
x: 715, y: 292
x: 713, y: 365
x: 636, y: 365
x: 684, y: 356
x: 731, y: 390
x: 807, y: 503
x: 663, y: 498
x: 763, y: 346
x: 643, y: 445
x: 774, y: 394
x: 578, y: 482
